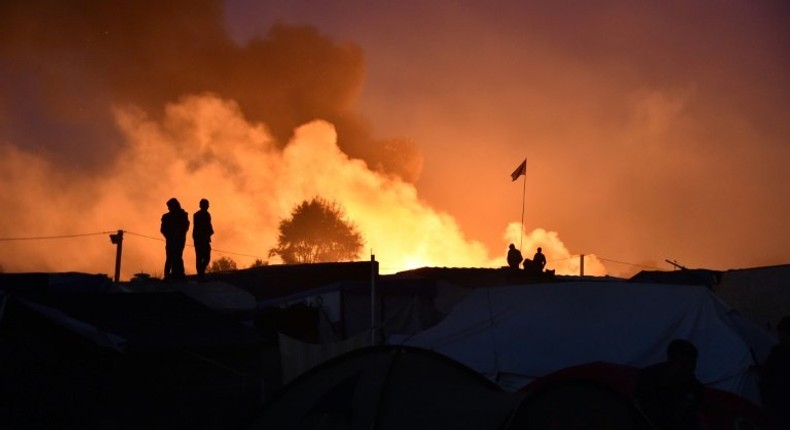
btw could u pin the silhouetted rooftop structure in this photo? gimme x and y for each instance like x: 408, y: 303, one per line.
x: 705, y: 277
x: 269, y: 282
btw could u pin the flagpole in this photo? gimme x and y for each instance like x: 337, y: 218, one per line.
x: 523, y: 198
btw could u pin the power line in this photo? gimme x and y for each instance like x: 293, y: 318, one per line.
x: 219, y: 251
x: 101, y: 233
x: 629, y: 264
x: 63, y: 236
x: 159, y: 239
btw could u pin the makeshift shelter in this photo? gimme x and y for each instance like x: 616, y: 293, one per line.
x: 600, y: 395
x: 389, y: 388
x: 597, y: 395
x: 515, y: 334
x: 280, y: 280
x: 705, y: 277
x: 42, y: 283
x: 220, y: 296
x: 315, y: 325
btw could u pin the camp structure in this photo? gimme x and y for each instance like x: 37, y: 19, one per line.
x: 515, y: 334
x: 601, y: 395
x: 388, y: 388
x: 391, y: 387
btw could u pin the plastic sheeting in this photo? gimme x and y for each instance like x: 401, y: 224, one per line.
x: 529, y: 331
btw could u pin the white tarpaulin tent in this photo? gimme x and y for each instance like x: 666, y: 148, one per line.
x: 514, y: 334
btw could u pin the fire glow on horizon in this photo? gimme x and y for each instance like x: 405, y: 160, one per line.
x: 652, y: 135
x: 204, y: 147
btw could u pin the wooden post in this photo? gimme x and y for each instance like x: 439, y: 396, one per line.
x: 117, y: 239
x: 581, y: 265
x: 372, y: 300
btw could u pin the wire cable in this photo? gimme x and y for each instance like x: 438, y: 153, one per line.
x: 130, y: 233
x: 62, y: 236
x: 629, y: 264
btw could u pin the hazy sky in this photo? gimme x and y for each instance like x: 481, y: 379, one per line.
x: 653, y: 130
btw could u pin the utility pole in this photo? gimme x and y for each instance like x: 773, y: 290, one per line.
x: 581, y: 265
x: 373, y: 272
x: 117, y: 240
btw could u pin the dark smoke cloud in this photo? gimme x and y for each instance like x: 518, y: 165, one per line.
x: 64, y: 66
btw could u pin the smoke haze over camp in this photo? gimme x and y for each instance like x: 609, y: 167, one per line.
x: 652, y: 130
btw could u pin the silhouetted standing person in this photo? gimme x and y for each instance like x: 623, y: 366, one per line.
x: 669, y: 392
x: 539, y: 260
x: 775, y: 380
x: 175, y: 224
x: 201, y: 235
x: 514, y: 257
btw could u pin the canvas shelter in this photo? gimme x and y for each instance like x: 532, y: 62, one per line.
x: 395, y: 387
x: 516, y: 334
x: 389, y: 388
x: 601, y: 395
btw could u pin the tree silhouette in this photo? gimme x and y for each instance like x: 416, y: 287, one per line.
x: 222, y: 264
x: 259, y: 263
x: 317, y: 232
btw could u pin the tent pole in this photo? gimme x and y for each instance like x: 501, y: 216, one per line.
x: 372, y: 299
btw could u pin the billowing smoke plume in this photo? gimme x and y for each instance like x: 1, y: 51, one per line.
x: 65, y: 64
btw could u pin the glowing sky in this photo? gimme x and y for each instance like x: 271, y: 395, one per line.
x: 653, y: 130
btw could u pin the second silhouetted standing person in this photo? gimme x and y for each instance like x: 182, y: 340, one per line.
x: 539, y: 260
x: 201, y: 235
x: 175, y: 224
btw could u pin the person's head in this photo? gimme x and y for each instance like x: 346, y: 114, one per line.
x: 203, y: 204
x: 540, y: 249
x: 682, y: 355
x: 783, y: 330
x: 173, y: 204
x: 512, y: 246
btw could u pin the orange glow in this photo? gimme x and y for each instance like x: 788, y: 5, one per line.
x: 650, y: 134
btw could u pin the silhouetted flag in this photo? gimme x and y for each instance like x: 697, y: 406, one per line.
x: 520, y: 170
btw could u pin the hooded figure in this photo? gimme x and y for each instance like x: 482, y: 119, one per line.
x: 175, y: 224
